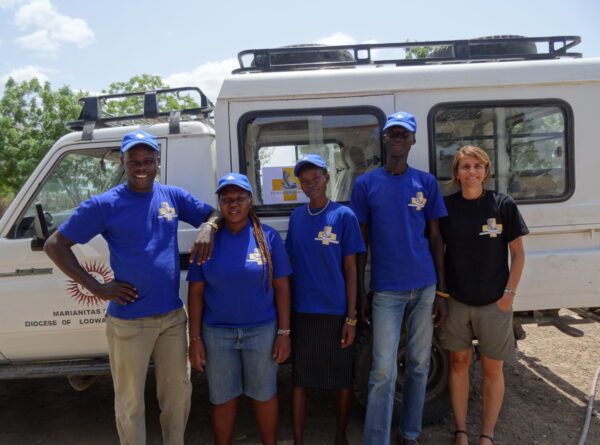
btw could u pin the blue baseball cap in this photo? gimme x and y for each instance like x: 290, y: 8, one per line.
x: 234, y: 179
x: 136, y: 138
x: 401, y: 119
x: 313, y: 159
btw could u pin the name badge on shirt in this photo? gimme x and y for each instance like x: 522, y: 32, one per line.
x: 491, y: 228
x: 166, y: 211
x: 326, y: 236
x: 418, y: 201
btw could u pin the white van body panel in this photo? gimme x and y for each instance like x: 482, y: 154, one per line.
x: 563, y: 248
x: 44, y: 315
x: 42, y: 319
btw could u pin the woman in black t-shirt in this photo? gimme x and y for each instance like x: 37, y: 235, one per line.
x: 481, y: 228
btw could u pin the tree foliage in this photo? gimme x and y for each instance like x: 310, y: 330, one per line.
x: 135, y: 104
x: 32, y: 118
x: 418, y: 52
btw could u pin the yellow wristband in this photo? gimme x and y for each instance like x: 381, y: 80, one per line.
x: 442, y: 294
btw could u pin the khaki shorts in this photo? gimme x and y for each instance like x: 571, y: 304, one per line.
x: 492, y: 327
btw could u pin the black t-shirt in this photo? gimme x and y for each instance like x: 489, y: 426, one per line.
x: 477, y: 233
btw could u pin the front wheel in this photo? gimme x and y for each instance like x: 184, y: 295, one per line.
x: 437, y: 399
x: 81, y: 382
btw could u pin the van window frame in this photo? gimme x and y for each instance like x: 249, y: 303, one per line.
x: 569, y: 135
x: 77, y: 148
x: 282, y: 209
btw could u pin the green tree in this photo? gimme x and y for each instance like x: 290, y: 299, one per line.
x: 418, y: 52
x: 135, y: 104
x: 32, y: 118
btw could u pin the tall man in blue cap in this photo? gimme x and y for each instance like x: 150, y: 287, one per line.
x: 145, y: 315
x: 398, y: 208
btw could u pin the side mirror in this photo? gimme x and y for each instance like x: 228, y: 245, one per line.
x: 41, y: 228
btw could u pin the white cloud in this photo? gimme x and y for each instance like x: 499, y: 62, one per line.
x: 5, y: 4
x: 27, y: 73
x: 53, y: 28
x: 208, y: 76
x: 39, y: 41
x: 339, y: 38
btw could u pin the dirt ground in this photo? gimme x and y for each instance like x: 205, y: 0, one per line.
x: 546, y: 399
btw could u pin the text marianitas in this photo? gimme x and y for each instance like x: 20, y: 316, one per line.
x: 78, y: 312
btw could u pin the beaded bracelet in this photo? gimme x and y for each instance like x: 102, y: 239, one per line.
x: 510, y: 291
x: 211, y: 224
x: 284, y: 332
x: 194, y: 339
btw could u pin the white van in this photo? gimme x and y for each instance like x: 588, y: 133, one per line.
x: 527, y: 101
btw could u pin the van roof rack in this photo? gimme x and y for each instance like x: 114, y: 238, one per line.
x: 484, y: 49
x: 94, y: 116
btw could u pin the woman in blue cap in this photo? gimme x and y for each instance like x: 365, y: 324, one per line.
x: 323, y: 240
x: 239, y: 313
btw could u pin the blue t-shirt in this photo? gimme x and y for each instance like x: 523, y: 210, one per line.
x: 397, y: 209
x: 317, y: 245
x: 237, y: 293
x: 141, y: 232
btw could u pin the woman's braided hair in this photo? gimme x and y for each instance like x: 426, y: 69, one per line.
x: 263, y: 247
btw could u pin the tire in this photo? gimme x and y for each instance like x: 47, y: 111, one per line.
x: 81, y: 382
x: 300, y: 57
x: 437, y: 398
x: 489, y: 47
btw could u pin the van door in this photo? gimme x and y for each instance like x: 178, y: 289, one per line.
x: 270, y: 136
x: 44, y: 314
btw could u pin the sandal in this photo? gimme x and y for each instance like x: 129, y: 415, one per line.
x: 485, y: 436
x: 457, y: 432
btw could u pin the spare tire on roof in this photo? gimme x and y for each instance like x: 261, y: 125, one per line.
x: 490, y: 48
x: 301, y: 57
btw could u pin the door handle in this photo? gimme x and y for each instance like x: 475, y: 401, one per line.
x: 27, y: 272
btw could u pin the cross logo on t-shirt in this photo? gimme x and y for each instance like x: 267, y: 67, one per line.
x: 166, y: 211
x: 418, y: 201
x: 255, y: 257
x: 491, y: 228
x: 326, y: 236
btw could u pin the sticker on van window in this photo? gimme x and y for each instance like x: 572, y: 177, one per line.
x: 280, y: 186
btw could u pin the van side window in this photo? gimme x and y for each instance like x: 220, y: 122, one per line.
x: 78, y: 176
x: 529, y: 143
x: 347, y: 139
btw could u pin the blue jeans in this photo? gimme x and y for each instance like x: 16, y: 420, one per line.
x: 388, y: 311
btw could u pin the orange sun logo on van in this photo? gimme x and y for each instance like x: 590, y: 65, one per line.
x: 83, y: 296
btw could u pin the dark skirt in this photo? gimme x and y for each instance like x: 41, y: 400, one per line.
x: 317, y: 356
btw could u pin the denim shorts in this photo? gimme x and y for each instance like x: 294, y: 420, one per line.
x: 240, y: 361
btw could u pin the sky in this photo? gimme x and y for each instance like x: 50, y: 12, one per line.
x: 86, y: 45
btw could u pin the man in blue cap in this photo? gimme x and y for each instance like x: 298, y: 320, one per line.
x: 398, y: 208
x: 145, y: 315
